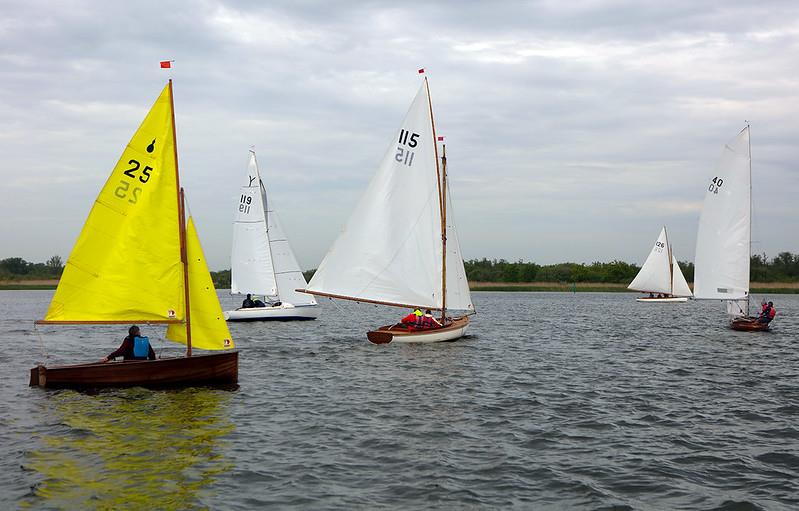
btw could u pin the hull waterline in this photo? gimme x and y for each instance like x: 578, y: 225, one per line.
x: 394, y: 334
x: 198, y: 370
x: 672, y: 299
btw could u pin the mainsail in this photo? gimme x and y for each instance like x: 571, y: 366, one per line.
x: 251, y: 265
x: 391, y: 249
x: 723, y: 239
x: 125, y: 266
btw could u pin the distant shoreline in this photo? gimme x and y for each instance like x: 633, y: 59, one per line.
x: 563, y: 287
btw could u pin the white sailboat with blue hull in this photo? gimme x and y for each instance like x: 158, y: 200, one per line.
x: 262, y: 263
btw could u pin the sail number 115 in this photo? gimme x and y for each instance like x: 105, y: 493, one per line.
x: 404, y: 155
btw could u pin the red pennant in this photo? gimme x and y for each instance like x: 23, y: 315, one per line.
x: 166, y: 64
x: 421, y: 71
x: 441, y: 139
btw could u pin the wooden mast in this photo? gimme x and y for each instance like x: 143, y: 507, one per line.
x: 443, y: 233
x: 441, y: 206
x: 182, y: 227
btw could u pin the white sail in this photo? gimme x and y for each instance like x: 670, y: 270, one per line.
x: 722, y: 243
x: 390, y: 250
x: 287, y: 271
x: 458, y: 295
x: 737, y: 308
x: 655, y: 274
x: 251, y: 269
x: 680, y: 286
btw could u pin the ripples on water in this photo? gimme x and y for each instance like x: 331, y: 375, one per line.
x: 555, y: 401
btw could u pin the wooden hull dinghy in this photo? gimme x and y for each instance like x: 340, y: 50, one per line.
x: 748, y: 325
x: 453, y: 330
x: 670, y: 299
x: 399, y: 248
x: 139, y: 260
x: 197, y: 370
x: 283, y: 312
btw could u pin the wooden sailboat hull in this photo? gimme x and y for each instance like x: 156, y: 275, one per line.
x: 284, y: 312
x: 198, y: 370
x: 671, y: 299
x: 455, y: 329
x: 748, y: 325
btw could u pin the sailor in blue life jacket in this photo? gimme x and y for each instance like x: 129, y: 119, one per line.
x: 134, y: 347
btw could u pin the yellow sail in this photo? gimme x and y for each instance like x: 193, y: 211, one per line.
x: 208, y: 327
x: 125, y: 266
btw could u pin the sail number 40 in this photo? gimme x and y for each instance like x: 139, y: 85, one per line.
x: 135, y: 172
x: 404, y: 155
x: 715, y: 184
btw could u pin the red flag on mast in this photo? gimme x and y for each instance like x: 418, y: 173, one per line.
x: 166, y: 64
x: 441, y: 138
x: 421, y: 71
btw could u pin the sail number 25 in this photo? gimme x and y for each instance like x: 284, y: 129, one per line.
x: 136, y: 173
x: 404, y: 155
x: 715, y: 184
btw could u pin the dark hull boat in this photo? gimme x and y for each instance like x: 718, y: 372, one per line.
x: 748, y: 325
x: 197, y: 370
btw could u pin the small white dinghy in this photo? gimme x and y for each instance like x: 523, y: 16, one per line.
x: 661, y: 274
x: 262, y: 262
x: 399, y: 247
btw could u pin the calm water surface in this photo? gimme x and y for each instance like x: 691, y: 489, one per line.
x: 554, y: 401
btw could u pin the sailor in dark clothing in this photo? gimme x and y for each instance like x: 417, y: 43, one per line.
x: 134, y: 347
x: 248, y: 303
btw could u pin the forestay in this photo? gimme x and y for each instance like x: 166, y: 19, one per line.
x: 723, y: 238
x: 655, y: 275
x: 390, y: 249
x: 251, y: 265
x: 125, y: 266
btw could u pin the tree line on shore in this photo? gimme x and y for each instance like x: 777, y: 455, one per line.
x: 782, y: 268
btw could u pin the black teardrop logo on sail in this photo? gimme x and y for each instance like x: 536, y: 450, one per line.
x: 151, y: 147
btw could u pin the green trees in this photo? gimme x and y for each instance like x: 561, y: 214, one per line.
x: 17, y: 268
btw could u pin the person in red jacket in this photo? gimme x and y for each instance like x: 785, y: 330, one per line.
x: 428, y: 322
x: 411, y: 320
x: 768, y: 313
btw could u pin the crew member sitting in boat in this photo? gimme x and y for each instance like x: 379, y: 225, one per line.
x: 767, y: 314
x: 134, y: 347
x: 248, y: 303
x: 412, y: 320
x: 258, y: 303
x: 428, y: 322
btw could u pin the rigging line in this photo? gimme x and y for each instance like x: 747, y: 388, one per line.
x: 43, y: 346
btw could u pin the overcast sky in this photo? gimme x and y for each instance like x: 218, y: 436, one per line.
x: 574, y: 130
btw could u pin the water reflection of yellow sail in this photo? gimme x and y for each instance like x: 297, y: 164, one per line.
x: 134, y: 450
